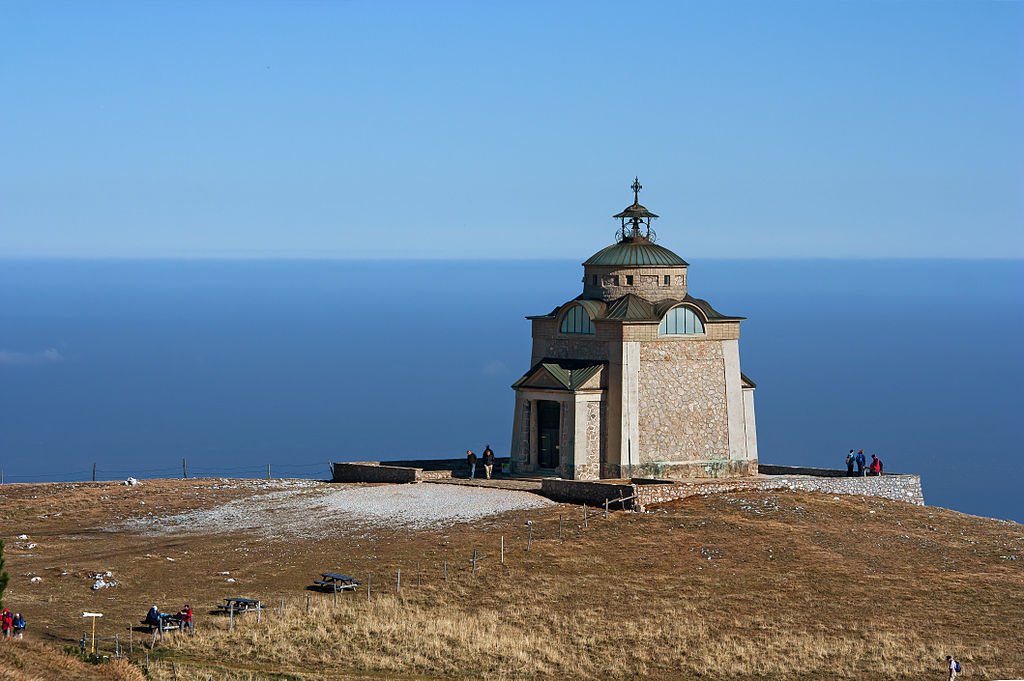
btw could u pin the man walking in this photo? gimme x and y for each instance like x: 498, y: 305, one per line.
x: 861, y: 462
x: 471, y: 460
x: 488, y: 461
x: 953, y: 666
x: 849, y: 463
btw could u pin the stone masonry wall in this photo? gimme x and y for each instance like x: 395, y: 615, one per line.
x: 586, y: 347
x: 898, y: 487
x: 683, y: 414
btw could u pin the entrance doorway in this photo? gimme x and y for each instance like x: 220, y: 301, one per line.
x: 548, y: 432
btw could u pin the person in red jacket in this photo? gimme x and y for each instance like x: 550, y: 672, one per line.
x: 876, y: 466
x: 7, y: 624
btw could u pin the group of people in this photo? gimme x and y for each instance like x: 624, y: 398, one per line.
x: 488, y: 461
x: 861, y: 462
x: 12, y: 625
x: 183, y: 618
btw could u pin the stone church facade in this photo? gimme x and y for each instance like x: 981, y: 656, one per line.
x: 635, y: 377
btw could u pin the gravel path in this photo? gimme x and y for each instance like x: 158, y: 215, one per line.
x: 331, y: 508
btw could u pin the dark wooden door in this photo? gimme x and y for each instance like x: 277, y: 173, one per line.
x: 549, y: 421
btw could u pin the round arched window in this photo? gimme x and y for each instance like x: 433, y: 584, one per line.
x: 576, y: 320
x: 680, y: 321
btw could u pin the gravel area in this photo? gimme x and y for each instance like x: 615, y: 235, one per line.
x: 325, y: 508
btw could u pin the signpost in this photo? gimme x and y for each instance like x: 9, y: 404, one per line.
x: 94, y: 616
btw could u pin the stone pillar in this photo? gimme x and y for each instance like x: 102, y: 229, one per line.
x: 532, y: 451
x: 750, y: 424
x: 630, y: 428
x: 734, y: 400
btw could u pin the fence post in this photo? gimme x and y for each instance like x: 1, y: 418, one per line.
x: 131, y: 642
x: 231, y: 616
x: 335, y: 588
x: 369, y: 587
x: 559, y: 527
x: 268, y: 472
x: 307, y: 604
x: 584, y: 516
x: 502, y: 549
x: 184, y: 469
x: 94, y: 472
x: 606, y: 509
x: 398, y: 584
x: 529, y: 535
x: 444, y: 569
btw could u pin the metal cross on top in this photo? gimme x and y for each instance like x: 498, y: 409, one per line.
x: 636, y: 187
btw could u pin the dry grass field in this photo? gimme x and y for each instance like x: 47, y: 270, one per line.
x: 765, y: 586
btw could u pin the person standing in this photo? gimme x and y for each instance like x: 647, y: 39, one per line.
x: 19, y: 626
x: 488, y: 461
x: 850, y: 459
x: 876, y: 466
x: 6, y: 624
x: 861, y: 462
x: 471, y: 460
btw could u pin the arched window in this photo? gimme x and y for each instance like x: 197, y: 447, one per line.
x: 680, y: 321
x: 576, y: 320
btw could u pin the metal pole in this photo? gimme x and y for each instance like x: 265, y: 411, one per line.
x: 474, y: 561
x: 606, y: 508
x: 584, y: 516
x: 502, y: 549
x: 559, y: 527
x: 184, y: 469
x: 529, y: 536
x: 398, y: 584
x: 445, y: 569
x: 335, y: 586
x: 131, y: 642
x: 231, y: 616
x: 94, y: 472
x: 268, y: 471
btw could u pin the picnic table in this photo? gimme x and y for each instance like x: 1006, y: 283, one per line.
x: 240, y: 605
x: 335, y: 581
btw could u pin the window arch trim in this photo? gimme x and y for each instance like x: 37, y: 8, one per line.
x: 682, y: 320
x: 577, y: 321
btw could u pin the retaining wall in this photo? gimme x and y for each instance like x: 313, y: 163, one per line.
x: 369, y: 471
x: 649, y: 492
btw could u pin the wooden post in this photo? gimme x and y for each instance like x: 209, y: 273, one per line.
x: 282, y: 607
x: 444, y: 569
x: 417, y: 575
x: 606, y: 509
x: 584, y: 516
x: 369, y: 587
x: 231, y: 616
x: 94, y: 472
x: 502, y: 549
x: 184, y: 469
x: 559, y: 527
x: 117, y: 646
x: 398, y: 584
x: 335, y: 587
x: 529, y: 536
x: 474, y: 561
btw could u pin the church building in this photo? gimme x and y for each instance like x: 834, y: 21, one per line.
x: 635, y: 377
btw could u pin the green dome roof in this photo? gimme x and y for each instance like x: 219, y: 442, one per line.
x: 639, y: 252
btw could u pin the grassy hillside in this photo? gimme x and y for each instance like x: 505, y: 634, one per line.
x: 768, y: 586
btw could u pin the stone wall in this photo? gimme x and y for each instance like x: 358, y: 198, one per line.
x: 366, y: 471
x: 648, y: 282
x: 576, y: 347
x: 898, y: 487
x: 584, y: 492
x: 683, y: 413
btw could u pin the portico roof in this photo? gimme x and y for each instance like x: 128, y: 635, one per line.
x: 571, y: 374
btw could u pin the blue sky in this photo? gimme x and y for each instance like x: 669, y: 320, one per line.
x: 435, y: 129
